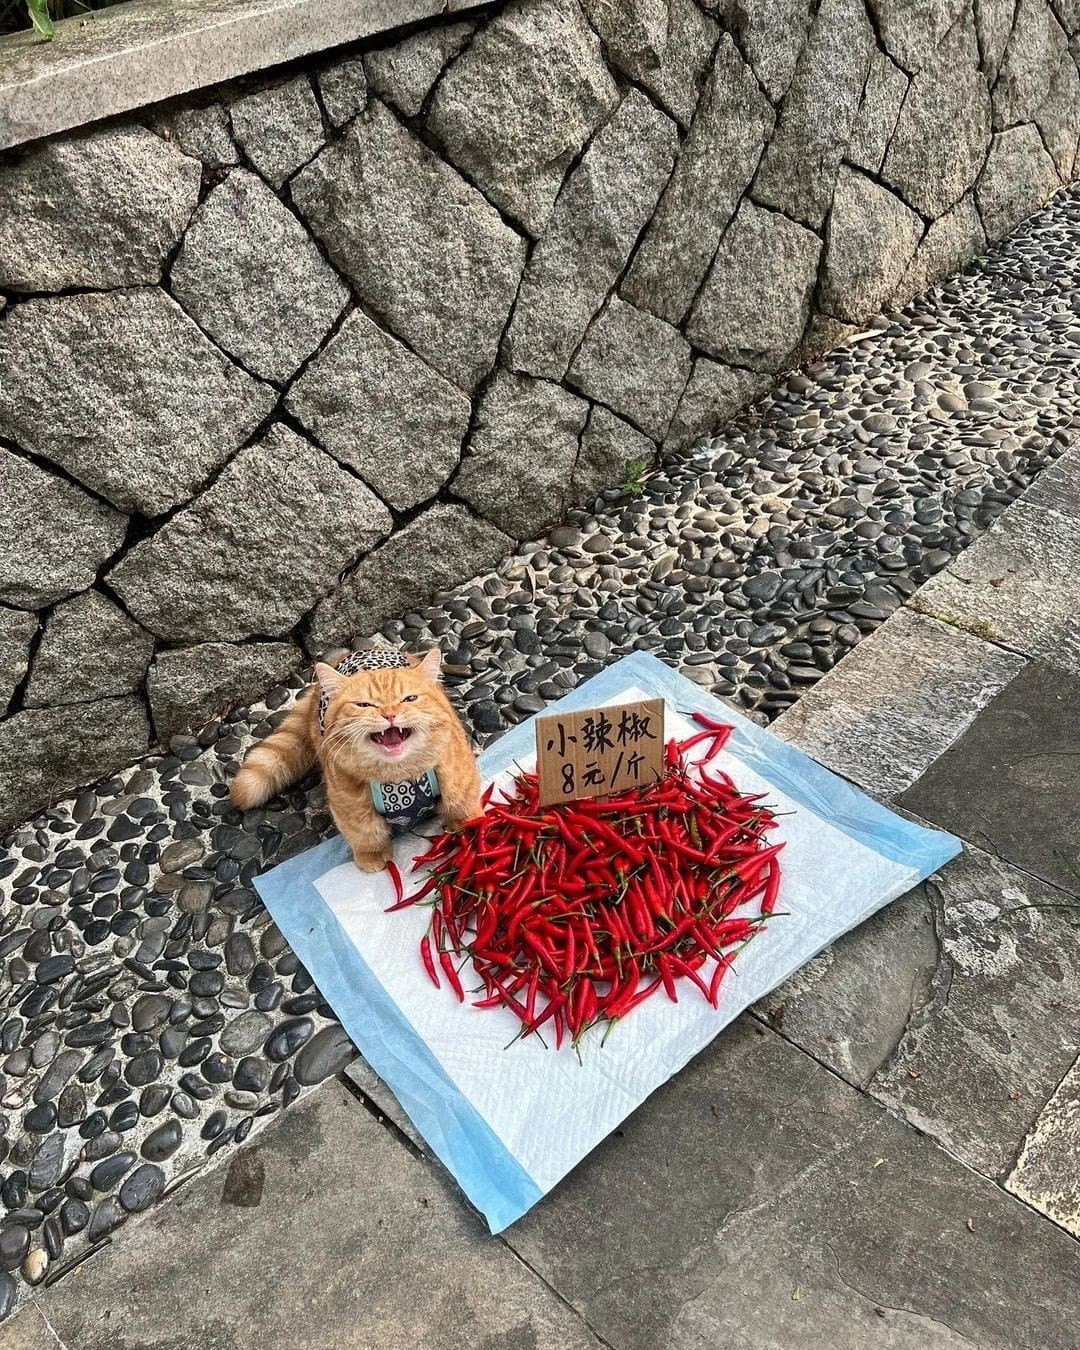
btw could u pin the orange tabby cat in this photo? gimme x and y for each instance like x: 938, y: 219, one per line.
x: 372, y: 727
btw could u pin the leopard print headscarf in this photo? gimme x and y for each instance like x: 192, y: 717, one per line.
x: 370, y: 658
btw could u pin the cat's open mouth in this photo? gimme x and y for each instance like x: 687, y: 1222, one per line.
x: 392, y: 741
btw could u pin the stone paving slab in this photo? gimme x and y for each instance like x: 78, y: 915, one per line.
x: 1059, y: 487
x: 1010, y: 782
x: 950, y: 1009
x: 1047, y: 1173
x: 264, y: 1255
x: 993, y: 1022
x: 363, y: 1076
x: 28, y: 1330
x: 791, y: 1211
x: 851, y: 1006
x: 897, y: 702
x: 1016, y: 586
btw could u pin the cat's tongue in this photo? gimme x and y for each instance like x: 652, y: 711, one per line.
x: 392, y: 740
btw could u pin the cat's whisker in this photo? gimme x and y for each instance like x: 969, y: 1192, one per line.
x: 332, y: 753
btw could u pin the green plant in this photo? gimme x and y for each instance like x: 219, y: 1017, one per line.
x: 42, y: 15
x: 636, y: 474
x: 1072, y: 865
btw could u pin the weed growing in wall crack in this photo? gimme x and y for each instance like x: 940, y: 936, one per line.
x: 634, y: 484
x: 41, y: 15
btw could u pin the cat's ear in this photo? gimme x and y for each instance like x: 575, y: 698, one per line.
x: 431, y: 665
x: 330, y: 680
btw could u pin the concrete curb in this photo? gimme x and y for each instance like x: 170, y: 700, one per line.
x: 114, y: 60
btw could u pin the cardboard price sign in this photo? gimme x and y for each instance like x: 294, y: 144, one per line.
x: 600, y: 751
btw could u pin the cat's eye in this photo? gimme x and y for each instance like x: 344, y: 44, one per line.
x: 409, y: 698
x: 357, y: 704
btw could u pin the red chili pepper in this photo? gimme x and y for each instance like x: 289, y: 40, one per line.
x: 632, y: 852
x: 554, y: 1005
x: 597, y: 904
x: 698, y: 737
x: 639, y: 997
x: 687, y: 968
x: 772, y: 888
x: 429, y: 963
x: 530, y: 998
x: 729, y: 931
x: 569, y: 964
x: 496, y: 958
x: 718, y: 974
x: 447, y: 963
x: 544, y: 952
x: 485, y: 929
x: 704, y: 720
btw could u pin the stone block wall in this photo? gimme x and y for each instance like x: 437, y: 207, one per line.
x: 286, y: 357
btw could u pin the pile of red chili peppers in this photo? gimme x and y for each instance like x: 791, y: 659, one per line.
x: 574, y: 914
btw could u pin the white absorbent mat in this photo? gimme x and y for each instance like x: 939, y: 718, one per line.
x: 510, y: 1117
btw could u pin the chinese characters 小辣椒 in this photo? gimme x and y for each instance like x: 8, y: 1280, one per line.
x: 598, y: 752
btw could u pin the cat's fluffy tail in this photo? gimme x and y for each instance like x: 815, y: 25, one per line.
x: 285, y: 755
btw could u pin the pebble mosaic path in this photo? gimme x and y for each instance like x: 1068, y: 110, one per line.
x: 151, y: 1016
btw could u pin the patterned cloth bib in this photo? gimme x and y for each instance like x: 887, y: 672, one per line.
x: 402, y: 804
x: 405, y: 804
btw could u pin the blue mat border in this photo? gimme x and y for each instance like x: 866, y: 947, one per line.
x: 490, y: 1176
x: 486, y: 1171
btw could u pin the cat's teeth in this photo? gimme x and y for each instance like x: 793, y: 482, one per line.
x: 393, y: 738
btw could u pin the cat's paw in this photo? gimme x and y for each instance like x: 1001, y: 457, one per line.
x: 453, y: 819
x: 370, y: 862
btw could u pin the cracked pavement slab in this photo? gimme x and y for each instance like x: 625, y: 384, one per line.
x: 263, y: 1255
x: 851, y: 1006
x: 1009, y: 784
x: 1016, y: 586
x: 28, y: 1330
x: 949, y: 1007
x: 795, y: 1212
x: 1047, y: 1172
x: 1059, y: 487
x: 897, y: 702
x: 984, y: 1051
